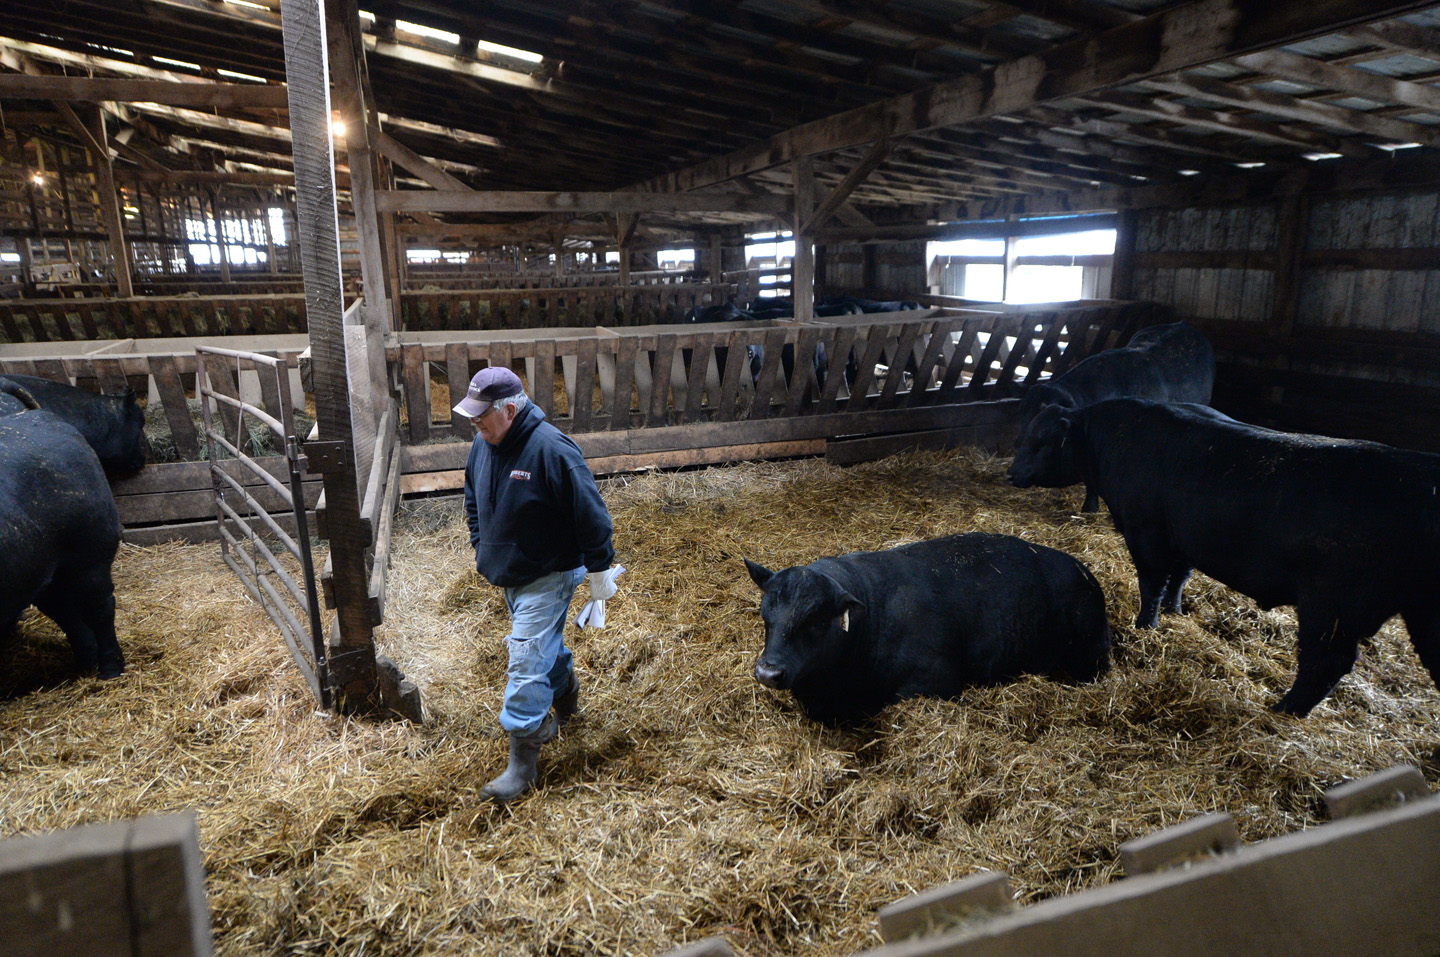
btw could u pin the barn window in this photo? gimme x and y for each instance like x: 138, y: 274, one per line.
x: 1030, y: 264
x: 674, y: 259
x: 769, y: 257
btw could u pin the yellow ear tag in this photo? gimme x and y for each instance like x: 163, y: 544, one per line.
x: 845, y: 620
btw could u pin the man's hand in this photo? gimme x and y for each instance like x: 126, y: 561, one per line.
x: 602, y: 588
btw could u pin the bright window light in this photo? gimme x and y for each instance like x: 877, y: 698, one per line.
x: 675, y: 258
x: 277, y: 226
x: 764, y: 254
x: 1188, y: 172
x: 967, y: 248
x: 424, y: 31
x: 1316, y: 157
x: 422, y: 255
x: 1045, y: 283
x: 1249, y: 165
x: 1392, y: 147
x: 1091, y: 242
x: 9, y: 257
x: 503, y: 50
x: 984, y: 281
x: 612, y: 256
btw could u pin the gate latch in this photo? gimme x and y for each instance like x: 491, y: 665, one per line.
x: 324, y: 457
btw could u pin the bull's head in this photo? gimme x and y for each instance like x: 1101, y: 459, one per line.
x: 1046, y: 455
x: 810, y: 622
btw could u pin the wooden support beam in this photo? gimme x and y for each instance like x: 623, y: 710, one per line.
x: 106, y: 198
x: 802, y: 272
x: 202, y: 94
x: 352, y: 652
x: 872, y: 159
x: 524, y: 201
x: 343, y: 22
x: 1223, y: 122
x: 1175, y: 39
x: 411, y: 161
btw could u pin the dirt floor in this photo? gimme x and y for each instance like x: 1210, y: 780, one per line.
x: 686, y: 800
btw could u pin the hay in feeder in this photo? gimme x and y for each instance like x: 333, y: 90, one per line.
x: 686, y: 800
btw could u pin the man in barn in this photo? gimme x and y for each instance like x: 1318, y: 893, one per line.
x: 538, y: 526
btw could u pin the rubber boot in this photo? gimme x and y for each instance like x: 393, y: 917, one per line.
x: 520, y: 775
x: 567, y: 702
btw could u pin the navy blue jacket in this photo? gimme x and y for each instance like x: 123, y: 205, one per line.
x: 532, y: 505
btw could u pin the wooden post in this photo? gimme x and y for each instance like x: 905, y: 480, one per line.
x: 110, y: 204
x: 1293, y: 218
x: 1122, y: 263
x: 352, y: 651
x: 347, y: 62
x: 802, y: 271
x: 220, y: 235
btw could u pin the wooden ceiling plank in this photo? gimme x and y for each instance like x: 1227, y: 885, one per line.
x: 200, y: 93
x: 1176, y: 39
x: 1343, y: 79
x: 1279, y: 104
x: 532, y: 201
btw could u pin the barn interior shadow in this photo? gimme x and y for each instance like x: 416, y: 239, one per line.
x: 32, y: 660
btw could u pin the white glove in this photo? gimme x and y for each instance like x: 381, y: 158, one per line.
x: 602, y: 588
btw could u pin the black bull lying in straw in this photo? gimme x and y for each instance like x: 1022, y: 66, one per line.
x: 1347, y: 532
x: 851, y: 634
x: 59, y: 532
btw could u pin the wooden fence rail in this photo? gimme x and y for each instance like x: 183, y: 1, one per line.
x: 554, y: 307
x: 664, y: 395
x: 92, y: 319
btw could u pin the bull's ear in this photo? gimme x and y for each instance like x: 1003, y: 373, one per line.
x: 851, y: 608
x: 759, y: 574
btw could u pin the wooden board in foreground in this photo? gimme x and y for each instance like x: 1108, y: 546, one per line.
x: 133, y: 888
x: 1360, y: 886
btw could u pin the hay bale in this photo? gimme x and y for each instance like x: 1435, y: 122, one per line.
x: 687, y: 800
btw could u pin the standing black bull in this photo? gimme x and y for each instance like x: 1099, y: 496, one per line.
x: 851, y: 634
x: 1347, y: 532
x: 59, y: 533
x: 1169, y: 363
x: 114, y: 425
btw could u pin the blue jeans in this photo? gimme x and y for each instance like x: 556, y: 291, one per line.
x: 540, y: 664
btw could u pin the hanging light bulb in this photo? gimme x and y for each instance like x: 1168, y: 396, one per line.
x: 38, y: 179
x: 337, y: 127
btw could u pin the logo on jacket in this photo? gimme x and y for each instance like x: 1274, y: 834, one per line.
x: 521, y: 475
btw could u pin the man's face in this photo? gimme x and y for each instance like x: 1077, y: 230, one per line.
x: 495, y: 422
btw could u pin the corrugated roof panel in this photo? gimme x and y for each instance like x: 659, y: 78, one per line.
x: 1401, y: 65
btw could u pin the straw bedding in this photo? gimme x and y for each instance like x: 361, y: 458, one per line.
x: 686, y: 800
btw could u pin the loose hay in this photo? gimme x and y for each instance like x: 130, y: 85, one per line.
x: 686, y: 800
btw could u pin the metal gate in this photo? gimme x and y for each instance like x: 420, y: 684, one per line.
x: 252, y: 542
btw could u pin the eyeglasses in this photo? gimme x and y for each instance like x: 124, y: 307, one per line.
x: 477, y: 418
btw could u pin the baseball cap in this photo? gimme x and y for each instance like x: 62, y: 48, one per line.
x: 495, y: 382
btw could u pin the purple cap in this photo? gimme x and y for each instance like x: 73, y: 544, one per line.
x: 496, y: 382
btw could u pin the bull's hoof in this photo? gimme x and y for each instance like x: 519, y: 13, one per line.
x: 1089, y: 508
x: 115, y: 672
x: 1291, y: 706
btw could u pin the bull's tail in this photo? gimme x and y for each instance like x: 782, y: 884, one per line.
x: 19, y: 392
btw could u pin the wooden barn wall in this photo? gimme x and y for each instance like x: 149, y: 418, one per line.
x: 1324, y: 308
x: 883, y: 270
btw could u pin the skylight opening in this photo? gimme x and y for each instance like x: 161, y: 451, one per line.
x: 1317, y: 157
x: 1188, y: 172
x: 424, y: 31
x: 1249, y: 165
x: 1392, y: 147
x: 180, y: 63
x: 241, y: 76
